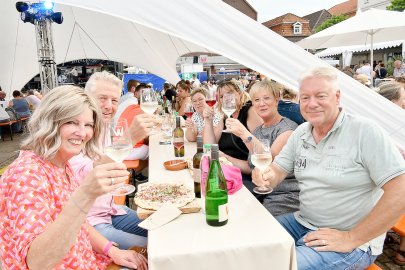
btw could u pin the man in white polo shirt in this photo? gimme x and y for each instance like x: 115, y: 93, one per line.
x: 341, y: 162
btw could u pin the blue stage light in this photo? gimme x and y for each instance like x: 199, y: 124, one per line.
x: 48, y: 5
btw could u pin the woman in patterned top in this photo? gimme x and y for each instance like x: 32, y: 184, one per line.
x: 231, y: 144
x: 196, y: 124
x: 43, y: 208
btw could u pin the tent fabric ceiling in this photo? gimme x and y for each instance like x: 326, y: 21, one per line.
x: 153, y: 34
x: 358, y: 48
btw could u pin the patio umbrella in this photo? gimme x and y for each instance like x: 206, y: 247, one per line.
x: 366, y: 28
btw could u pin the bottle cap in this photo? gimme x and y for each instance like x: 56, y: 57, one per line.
x: 207, y: 146
x: 214, y: 147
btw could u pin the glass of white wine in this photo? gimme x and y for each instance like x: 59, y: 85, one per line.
x: 149, y: 103
x: 117, y: 145
x: 167, y: 129
x: 261, y: 158
x: 228, y: 105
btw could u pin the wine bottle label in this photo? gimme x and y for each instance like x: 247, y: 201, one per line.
x: 197, y: 175
x: 222, y: 212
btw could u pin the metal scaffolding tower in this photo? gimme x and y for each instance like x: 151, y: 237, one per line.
x: 46, y: 55
x: 41, y: 15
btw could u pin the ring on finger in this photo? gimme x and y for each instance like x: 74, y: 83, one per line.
x: 112, y: 181
x: 324, y: 242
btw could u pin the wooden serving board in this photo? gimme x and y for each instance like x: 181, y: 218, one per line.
x: 192, y: 207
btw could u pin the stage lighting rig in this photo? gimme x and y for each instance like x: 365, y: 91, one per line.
x: 41, y: 15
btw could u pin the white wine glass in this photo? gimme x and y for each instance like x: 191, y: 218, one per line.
x: 228, y: 105
x: 149, y: 104
x: 117, y: 145
x: 167, y: 129
x: 261, y: 158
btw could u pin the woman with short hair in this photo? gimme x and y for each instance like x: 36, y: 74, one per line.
x: 43, y: 208
x: 394, y: 92
x: 196, y: 124
x: 20, y: 104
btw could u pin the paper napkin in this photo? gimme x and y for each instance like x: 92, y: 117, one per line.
x: 164, y: 215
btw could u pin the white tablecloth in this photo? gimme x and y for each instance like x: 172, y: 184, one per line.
x: 252, y: 239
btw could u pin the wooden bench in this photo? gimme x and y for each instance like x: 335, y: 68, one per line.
x: 7, y: 124
x: 373, y: 267
x: 399, y: 228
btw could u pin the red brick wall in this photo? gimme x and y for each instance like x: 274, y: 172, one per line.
x: 286, y: 29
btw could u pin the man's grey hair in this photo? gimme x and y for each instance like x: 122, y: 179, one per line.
x: 105, y: 77
x: 328, y: 73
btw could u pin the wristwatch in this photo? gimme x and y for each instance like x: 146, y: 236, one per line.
x: 248, y: 139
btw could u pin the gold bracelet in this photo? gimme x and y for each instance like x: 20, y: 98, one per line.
x: 77, y: 205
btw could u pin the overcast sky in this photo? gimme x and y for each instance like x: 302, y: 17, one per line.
x: 270, y: 9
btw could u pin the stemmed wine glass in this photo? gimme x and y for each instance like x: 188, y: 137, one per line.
x: 228, y: 105
x: 189, y: 110
x: 261, y: 158
x: 211, y: 98
x: 167, y: 129
x: 117, y: 146
x: 149, y: 103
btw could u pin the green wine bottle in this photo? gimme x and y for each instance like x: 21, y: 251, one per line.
x: 216, y: 192
x: 178, y: 139
x: 196, y: 167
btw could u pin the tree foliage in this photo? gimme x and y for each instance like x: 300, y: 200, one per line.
x: 332, y: 21
x: 398, y: 5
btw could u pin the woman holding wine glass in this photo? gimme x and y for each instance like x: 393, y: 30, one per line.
x: 46, y: 216
x: 196, y: 123
x: 276, y: 130
x: 231, y: 144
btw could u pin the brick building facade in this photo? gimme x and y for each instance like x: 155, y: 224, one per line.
x: 290, y: 26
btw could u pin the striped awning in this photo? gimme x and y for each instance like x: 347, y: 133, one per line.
x: 358, y: 48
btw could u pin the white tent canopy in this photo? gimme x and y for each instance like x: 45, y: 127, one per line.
x: 152, y: 34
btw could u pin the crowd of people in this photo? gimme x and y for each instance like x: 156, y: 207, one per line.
x: 329, y: 184
x: 372, y: 77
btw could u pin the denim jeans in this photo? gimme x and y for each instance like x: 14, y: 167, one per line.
x: 308, y: 258
x: 124, y: 230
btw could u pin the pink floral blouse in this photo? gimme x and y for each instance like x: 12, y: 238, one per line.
x: 33, y: 192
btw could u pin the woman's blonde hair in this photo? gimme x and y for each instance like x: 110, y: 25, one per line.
x: 58, y: 107
x: 200, y: 90
x: 232, y: 84
x: 271, y: 87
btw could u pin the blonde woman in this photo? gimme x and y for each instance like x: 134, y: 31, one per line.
x: 43, y: 208
x: 232, y: 143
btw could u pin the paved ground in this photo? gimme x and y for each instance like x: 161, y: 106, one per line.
x: 8, y: 152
